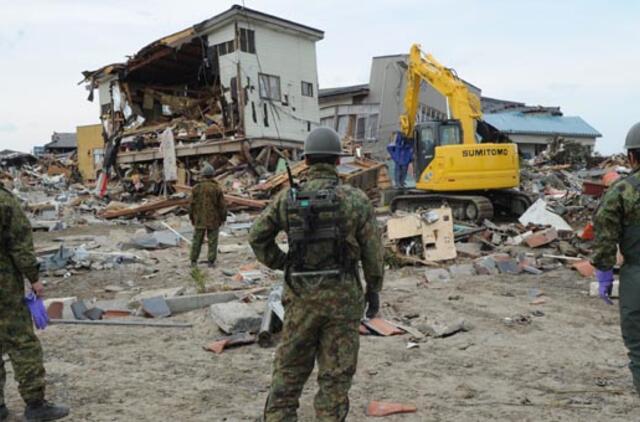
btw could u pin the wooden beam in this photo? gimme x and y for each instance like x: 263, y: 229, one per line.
x: 154, y: 206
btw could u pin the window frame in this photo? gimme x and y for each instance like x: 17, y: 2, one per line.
x: 269, y: 95
x: 309, y: 85
x: 247, y: 40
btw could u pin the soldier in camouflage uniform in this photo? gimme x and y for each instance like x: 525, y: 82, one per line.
x: 617, y: 222
x: 323, y: 309
x: 208, y: 212
x: 17, y: 338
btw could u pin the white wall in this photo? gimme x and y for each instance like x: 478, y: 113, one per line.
x: 291, y: 57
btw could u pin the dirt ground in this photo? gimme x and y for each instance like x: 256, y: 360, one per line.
x: 566, y: 364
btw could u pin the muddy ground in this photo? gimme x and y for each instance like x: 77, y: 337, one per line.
x: 568, y: 364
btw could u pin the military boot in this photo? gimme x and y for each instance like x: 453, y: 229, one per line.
x: 42, y: 411
x: 4, y: 413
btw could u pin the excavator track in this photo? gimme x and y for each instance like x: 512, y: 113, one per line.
x: 475, y: 206
x: 463, y: 207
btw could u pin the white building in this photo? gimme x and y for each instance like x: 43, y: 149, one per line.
x: 276, y: 63
x: 189, y: 81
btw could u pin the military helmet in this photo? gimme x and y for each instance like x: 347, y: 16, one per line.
x: 633, y: 137
x: 207, y: 170
x: 322, y: 141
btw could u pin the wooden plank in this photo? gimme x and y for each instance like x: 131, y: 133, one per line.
x: 246, y: 202
x: 154, y: 206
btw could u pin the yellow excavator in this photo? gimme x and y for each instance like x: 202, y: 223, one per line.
x: 461, y: 161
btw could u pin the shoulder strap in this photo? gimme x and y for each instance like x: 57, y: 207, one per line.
x: 633, y: 181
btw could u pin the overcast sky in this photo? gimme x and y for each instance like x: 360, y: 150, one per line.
x: 579, y: 54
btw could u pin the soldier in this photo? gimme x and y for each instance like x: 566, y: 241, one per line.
x: 17, y: 338
x: 330, y: 228
x: 617, y: 222
x: 208, y: 212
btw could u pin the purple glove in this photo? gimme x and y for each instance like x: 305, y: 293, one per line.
x: 38, y: 312
x: 605, y: 285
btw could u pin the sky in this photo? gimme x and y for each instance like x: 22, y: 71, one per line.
x: 581, y: 55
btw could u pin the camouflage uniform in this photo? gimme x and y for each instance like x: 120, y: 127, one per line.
x: 322, y: 313
x: 17, y: 339
x: 208, y: 212
x: 617, y: 222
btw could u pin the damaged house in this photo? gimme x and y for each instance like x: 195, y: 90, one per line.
x: 231, y: 85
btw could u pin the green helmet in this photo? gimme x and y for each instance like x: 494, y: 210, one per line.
x: 323, y: 141
x: 633, y: 137
x: 207, y: 170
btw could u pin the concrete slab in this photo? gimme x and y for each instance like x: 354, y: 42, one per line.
x: 156, y: 307
x: 235, y: 317
x: 593, y: 289
x: 181, y: 304
x: 166, y: 293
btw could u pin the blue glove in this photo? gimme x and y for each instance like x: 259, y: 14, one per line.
x: 38, y: 312
x: 605, y: 285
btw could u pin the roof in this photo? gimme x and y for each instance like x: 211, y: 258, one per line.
x: 62, y: 140
x: 353, y: 90
x: 178, y: 39
x: 237, y: 9
x: 495, y: 105
x: 546, y: 123
x: 11, y: 157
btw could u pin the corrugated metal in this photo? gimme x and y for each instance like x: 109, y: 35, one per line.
x: 541, y: 123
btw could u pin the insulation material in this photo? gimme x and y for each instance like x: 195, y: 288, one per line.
x: 538, y: 214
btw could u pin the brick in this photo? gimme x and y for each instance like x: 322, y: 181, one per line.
x: 584, y: 268
x: 382, y: 327
x: 541, y: 238
x: 379, y: 408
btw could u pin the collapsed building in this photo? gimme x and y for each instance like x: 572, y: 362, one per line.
x: 231, y: 85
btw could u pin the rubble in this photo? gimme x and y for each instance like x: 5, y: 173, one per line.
x: 235, y: 317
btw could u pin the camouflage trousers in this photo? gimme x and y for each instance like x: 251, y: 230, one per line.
x: 20, y: 343
x: 308, y: 337
x: 198, y: 239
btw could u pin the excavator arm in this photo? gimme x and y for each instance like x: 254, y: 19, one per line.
x: 463, y: 104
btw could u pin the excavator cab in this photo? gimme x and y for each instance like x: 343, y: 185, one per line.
x: 431, y: 134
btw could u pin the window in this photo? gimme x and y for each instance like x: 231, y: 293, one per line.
x: 343, y: 124
x: 247, y: 40
x: 449, y: 135
x: 307, y: 89
x: 225, y: 48
x: 266, y: 115
x: 360, y: 128
x: 372, y: 126
x: 269, y: 86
